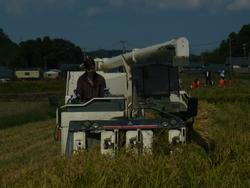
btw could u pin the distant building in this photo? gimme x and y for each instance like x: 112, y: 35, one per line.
x: 52, y: 74
x: 31, y: 73
x: 239, y: 64
x: 6, y: 73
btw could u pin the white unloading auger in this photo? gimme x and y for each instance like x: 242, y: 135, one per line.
x: 180, y: 47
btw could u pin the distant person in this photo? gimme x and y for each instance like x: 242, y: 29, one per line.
x: 195, y: 84
x: 221, y: 83
x: 208, y: 77
x: 222, y: 78
x: 222, y: 74
x: 90, y: 84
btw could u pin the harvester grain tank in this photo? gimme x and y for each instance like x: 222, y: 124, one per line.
x: 150, y: 84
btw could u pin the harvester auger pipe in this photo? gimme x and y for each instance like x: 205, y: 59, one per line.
x: 181, y: 46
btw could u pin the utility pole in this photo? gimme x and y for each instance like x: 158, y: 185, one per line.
x: 84, y: 54
x: 230, y: 51
x: 45, y: 62
x: 123, y: 43
x: 244, y: 49
x: 230, y: 57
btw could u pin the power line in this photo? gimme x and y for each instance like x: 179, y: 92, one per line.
x: 123, y: 43
x: 205, y: 44
x: 132, y: 45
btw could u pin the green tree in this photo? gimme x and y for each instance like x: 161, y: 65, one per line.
x: 8, y: 49
x: 47, y: 53
x: 239, y: 43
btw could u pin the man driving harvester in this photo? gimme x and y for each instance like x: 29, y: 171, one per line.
x: 90, y: 84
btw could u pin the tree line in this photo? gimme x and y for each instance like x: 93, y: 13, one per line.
x: 44, y: 53
x: 47, y: 53
x: 236, y: 45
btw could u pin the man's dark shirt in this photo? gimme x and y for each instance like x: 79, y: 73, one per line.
x: 91, y: 85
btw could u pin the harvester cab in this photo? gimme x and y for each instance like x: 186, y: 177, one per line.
x: 123, y: 118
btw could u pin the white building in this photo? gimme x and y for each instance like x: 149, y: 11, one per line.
x: 27, y: 74
x: 52, y: 74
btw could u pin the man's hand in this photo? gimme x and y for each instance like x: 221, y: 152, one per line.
x: 90, y: 82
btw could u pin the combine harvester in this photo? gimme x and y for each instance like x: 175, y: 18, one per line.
x: 149, y: 84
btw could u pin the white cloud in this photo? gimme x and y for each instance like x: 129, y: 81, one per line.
x: 93, y: 11
x: 11, y: 6
x: 20, y: 6
x: 210, y: 5
x: 238, y: 5
x: 158, y: 4
x: 100, y: 6
x: 117, y: 3
x: 177, y: 4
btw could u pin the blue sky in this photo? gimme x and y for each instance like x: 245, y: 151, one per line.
x: 94, y: 24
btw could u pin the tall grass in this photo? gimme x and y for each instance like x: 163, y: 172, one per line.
x: 30, y: 158
x: 18, y: 113
x: 40, y: 164
x: 32, y: 86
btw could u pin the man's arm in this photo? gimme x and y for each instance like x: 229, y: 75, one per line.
x: 79, y: 89
x: 102, y: 86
